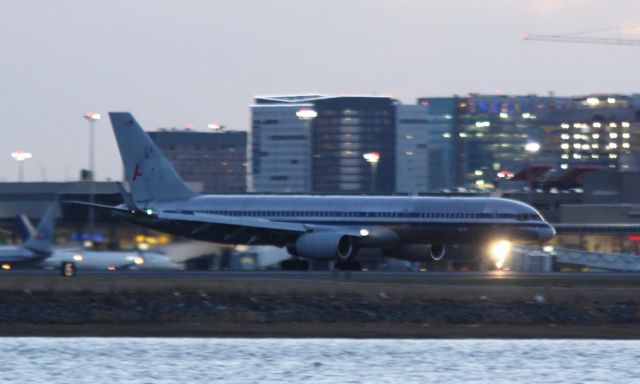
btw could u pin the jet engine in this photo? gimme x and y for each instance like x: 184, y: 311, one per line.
x: 437, y: 251
x: 324, y: 245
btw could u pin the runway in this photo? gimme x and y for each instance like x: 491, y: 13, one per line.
x: 396, y: 276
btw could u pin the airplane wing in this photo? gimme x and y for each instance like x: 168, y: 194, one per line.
x: 201, y: 222
x: 204, y: 218
x: 254, y: 223
x: 19, y: 255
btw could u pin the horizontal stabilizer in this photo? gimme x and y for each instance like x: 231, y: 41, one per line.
x: 116, y: 208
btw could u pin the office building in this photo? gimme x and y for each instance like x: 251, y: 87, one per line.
x: 594, y: 130
x: 210, y: 162
x: 317, y: 143
x: 487, y: 134
x: 281, y: 144
x: 412, y: 149
x: 346, y: 129
x: 445, y: 152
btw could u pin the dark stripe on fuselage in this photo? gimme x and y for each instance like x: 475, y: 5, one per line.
x: 306, y: 216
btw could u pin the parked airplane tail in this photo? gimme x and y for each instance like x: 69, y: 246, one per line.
x: 149, y: 174
x: 42, y: 239
x: 25, y: 228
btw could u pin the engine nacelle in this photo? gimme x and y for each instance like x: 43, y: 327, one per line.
x: 437, y: 251
x: 324, y: 245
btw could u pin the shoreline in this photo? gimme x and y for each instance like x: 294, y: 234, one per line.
x: 320, y: 331
x: 400, y: 308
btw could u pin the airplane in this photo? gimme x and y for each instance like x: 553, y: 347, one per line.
x: 82, y: 259
x: 96, y: 260
x: 37, y: 244
x: 90, y: 260
x: 312, y: 227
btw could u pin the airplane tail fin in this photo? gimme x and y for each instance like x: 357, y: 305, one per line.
x: 25, y: 228
x: 149, y: 174
x: 42, y: 239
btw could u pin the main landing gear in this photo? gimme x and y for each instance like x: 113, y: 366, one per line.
x: 347, y: 265
x: 294, y: 265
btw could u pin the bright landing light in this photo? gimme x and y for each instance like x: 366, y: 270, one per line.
x: 499, y: 252
x: 137, y: 260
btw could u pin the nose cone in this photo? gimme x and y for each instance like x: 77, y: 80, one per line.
x: 546, y: 233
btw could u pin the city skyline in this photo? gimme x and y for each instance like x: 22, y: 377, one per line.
x: 199, y: 62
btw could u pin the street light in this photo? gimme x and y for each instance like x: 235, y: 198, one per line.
x: 215, y: 126
x: 21, y: 157
x: 531, y: 148
x: 373, y: 158
x: 92, y: 117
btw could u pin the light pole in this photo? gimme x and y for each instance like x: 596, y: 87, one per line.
x: 215, y: 126
x: 21, y: 157
x: 373, y: 158
x: 531, y: 148
x: 92, y: 117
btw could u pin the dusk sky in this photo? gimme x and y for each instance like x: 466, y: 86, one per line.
x: 173, y: 63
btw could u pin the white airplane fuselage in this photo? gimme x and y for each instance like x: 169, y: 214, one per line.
x: 387, y: 220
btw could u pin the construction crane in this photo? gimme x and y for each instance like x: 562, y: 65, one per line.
x: 581, y: 39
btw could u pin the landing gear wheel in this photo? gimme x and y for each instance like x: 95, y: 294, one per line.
x: 302, y: 265
x: 347, y: 265
x: 294, y: 265
x: 68, y: 269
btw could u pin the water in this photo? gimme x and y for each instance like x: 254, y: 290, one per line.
x: 148, y: 360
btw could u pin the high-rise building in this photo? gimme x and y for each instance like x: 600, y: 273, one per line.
x: 211, y: 162
x: 488, y: 133
x: 594, y: 130
x: 316, y: 143
x: 345, y: 130
x: 412, y: 149
x: 496, y: 130
x: 281, y: 144
x: 445, y: 152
